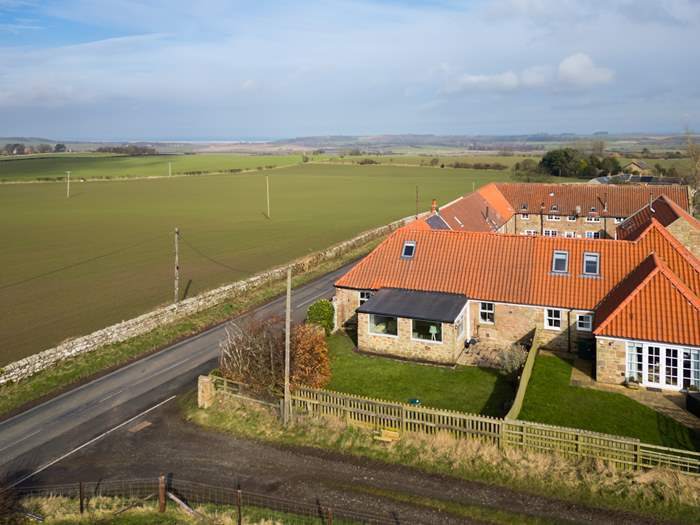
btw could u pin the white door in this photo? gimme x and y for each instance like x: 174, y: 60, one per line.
x: 661, y: 367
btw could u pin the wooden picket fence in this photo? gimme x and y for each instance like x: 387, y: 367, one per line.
x: 377, y: 414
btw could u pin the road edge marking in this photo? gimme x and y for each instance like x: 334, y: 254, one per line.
x: 88, y: 443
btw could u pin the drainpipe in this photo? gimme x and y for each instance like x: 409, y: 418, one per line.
x: 568, y: 330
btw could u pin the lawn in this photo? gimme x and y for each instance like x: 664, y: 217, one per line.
x: 71, y: 266
x: 93, y: 165
x: 551, y: 399
x: 465, y: 389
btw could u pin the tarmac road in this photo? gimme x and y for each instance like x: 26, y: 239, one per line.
x: 47, y: 432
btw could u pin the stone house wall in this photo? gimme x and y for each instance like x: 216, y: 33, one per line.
x: 517, y: 323
x: 540, y: 223
x: 168, y: 314
x: 687, y: 235
x: 611, y: 357
x: 346, y: 301
x: 405, y: 346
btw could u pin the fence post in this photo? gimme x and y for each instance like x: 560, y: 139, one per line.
x: 81, y: 496
x: 639, y: 456
x: 161, y: 493
x: 329, y: 517
x: 403, y: 419
x: 239, y: 507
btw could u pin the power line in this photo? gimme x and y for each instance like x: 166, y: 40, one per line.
x: 78, y: 263
x: 210, y: 258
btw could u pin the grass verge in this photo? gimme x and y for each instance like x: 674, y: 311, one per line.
x: 465, y: 389
x: 102, y: 510
x: 15, y: 397
x: 607, y: 412
x: 657, y: 493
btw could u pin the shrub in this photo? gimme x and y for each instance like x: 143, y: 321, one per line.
x: 322, y: 313
x: 253, y: 354
x: 512, y: 360
x: 310, y: 365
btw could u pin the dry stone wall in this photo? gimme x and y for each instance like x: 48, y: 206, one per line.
x: 167, y: 314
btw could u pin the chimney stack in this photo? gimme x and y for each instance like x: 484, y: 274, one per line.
x: 433, y: 207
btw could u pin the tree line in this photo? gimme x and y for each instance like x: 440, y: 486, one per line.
x: 18, y: 148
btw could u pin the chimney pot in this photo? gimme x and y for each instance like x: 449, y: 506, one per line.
x: 433, y: 207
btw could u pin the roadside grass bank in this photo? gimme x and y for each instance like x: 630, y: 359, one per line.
x: 658, y: 494
x: 16, y: 397
x: 589, y: 409
x: 463, y: 388
x: 58, y: 510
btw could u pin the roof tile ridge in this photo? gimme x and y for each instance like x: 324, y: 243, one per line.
x: 678, y: 283
x: 678, y: 245
x: 634, y: 292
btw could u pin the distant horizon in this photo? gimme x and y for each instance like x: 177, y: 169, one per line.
x: 262, y: 140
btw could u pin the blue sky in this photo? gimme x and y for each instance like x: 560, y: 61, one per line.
x: 132, y: 69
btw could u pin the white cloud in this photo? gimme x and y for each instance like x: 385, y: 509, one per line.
x: 502, y: 81
x: 579, y: 70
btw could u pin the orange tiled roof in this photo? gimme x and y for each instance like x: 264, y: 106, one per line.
x: 651, y: 304
x: 664, y: 210
x: 622, y: 200
x: 494, y: 204
x: 515, y: 268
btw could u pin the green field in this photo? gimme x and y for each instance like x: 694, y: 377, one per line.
x: 71, y: 266
x: 96, y: 165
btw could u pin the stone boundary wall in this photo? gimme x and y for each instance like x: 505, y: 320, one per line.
x: 167, y: 314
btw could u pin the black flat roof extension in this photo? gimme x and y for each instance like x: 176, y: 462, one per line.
x: 428, y: 306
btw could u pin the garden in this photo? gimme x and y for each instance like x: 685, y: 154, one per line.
x: 551, y: 399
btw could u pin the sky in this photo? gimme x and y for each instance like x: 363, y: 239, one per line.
x: 214, y: 69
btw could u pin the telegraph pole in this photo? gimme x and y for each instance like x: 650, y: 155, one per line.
x: 170, y: 169
x: 177, y: 266
x: 267, y: 184
x: 287, y: 328
x: 416, y: 202
x: 68, y: 185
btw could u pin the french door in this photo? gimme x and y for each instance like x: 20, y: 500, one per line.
x: 662, y: 366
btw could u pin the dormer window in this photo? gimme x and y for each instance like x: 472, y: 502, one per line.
x: 409, y: 249
x: 555, y: 207
x: 591, y: 263
x: 560, y: 262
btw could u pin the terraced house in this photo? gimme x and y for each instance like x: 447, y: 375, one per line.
x: 436, y: 291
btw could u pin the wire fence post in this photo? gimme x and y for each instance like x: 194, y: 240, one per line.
x: 239, y: 507
x: 329, y: 517
x: 81, y: 496
x: 161, y: 493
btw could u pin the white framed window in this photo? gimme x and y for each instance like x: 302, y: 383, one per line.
x: 409, y: 249
x: 430, y: 331
x: 619, y: 220
x: 593, y: 235
x: 529, y: 232
x: 591, y: 263
x: 560, y: 262
x: 551, y: 233
x: 553, y: 218
x: 487, y: 313
x: 525, y: 216
x: 571, y: 218
x: 584, y: 322
x: 552, y: 319
x: 593, y: 218
x: 635, y: 362
x: 385, y: 325
x: 570, y: 235
x: 365, y: 295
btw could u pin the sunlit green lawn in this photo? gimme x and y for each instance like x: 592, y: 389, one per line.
x: 466, y: 389
x: 551, y: 399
